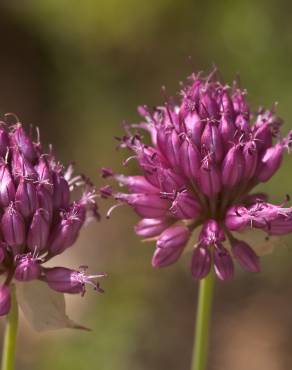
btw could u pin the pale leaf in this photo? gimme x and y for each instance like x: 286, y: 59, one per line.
x: 259, y: 242
x: 44, y: 308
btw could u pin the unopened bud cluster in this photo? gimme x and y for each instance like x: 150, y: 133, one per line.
x: 207, y: 153
x: 38, y: 219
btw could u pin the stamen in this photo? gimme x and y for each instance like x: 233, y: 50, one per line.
x: 109, y: 212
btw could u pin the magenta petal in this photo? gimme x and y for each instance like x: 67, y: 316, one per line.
x: 7, y: 188
x: 13, y: 227
x: 209, y: 180
x: 190, y: 159
x: 146, y: 205
x: 246, y: 257
x: 26, y: 198
x: 270, y: 163
x: 38, y: 232
x: 212, y: 141
x: 24, y: 143
x: 186, y: 206
x: 232, y: 167
x: 149, y: 227
x: 164, y: 257
x: 223, y: 264
x: 27, y: 268
x: 173, y: 237
x: 201, y: 262
x: 236, y: 218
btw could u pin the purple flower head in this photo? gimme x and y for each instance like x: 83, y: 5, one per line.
x: 207, y: 152
x: 39, y: 215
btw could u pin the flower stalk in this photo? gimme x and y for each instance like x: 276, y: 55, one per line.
x: 8, y: 352
x: 204, y: 308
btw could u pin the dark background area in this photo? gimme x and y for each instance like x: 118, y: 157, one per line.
x: 77, y: 70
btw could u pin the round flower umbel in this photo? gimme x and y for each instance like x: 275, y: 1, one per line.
x: 38, y: 218
x: 206, y: 155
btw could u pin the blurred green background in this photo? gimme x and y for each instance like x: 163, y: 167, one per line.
x: 78, y: 69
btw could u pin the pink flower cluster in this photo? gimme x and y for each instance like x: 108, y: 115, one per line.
x: 38, y: 220
x: 207, y: 153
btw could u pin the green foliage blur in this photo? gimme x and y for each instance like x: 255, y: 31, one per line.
x: 78, y: 69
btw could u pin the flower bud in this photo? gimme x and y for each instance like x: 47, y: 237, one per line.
x: 211, y: 233
x: 242, y: 125
x: 227, y: 131
x: 280, y: 225
x: 185, y: 206
x: 149, y: 227
x: 4, y: 142
x: 61, y: 193
x: 232, y: 167
x: 5, y: 300
x: 173, y: 237
x: 150, y: 160
x: 169, y: 116
x: 66, y: 231
x: 13, y: 227
x: 22, y: 167
x: 7, y: 188
x: 192, y: 96
x: 209, y: 180
x: 239, y: 104
x: 208, y: 106
x: 44, y: 174
x: 263, y: 137
x: 170, y: 147
x: 223, y: 263
x: 269, y: 118
x: 250, y: 158
x: 245, y: 256
x: 65, y: 280
x: 26, y: 198
x: 226, y: 106
x: 45, y: 201
x: 212, y: 141
x: 169, y: 180
x: 146, y: 205
x: 63, y: 236
x: 38, y: 231
x: 236, y: 218
x: 137, y: 184
x: 190, y: 159
x: 194, y: 127
x: 201, y: 262
x: 27, y: 268
x: 164, y: 257
x: 24, y: 143
x: 270, y: 163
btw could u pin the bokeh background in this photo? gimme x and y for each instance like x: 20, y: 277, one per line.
x: 77, y: 69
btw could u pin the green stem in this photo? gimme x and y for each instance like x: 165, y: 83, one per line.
x: 200, y: 351
x: 8, y: 354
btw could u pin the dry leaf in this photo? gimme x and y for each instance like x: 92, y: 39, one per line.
x: 44, y: 308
